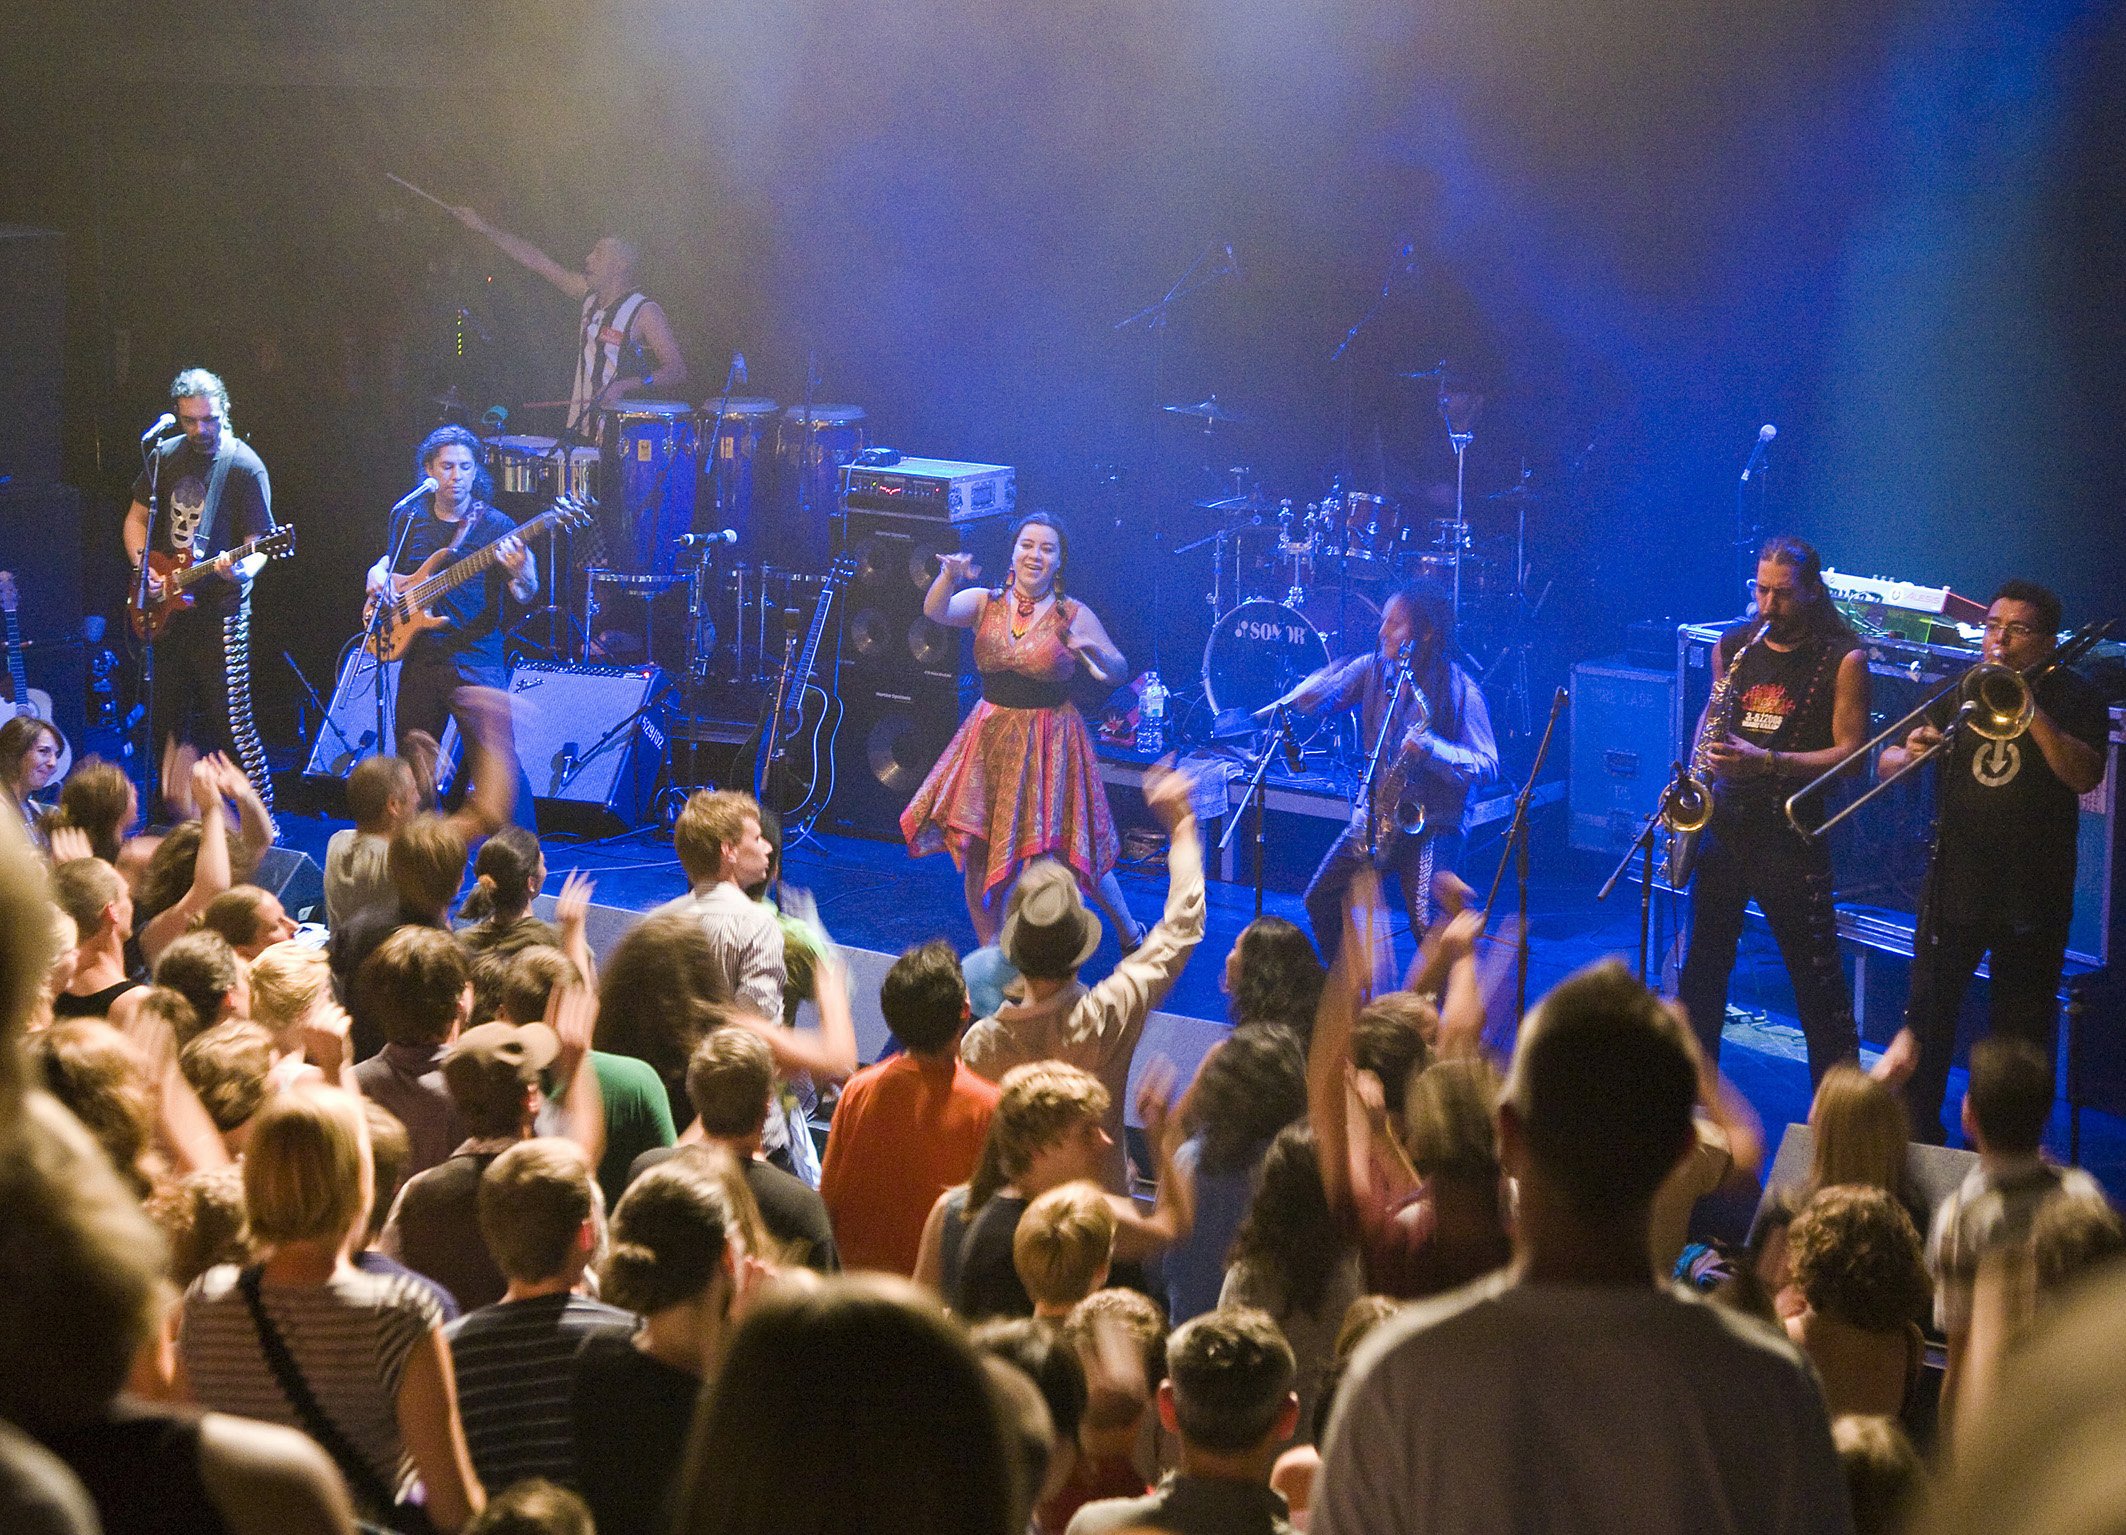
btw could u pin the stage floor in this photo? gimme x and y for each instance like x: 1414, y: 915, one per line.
x: 877, y: 901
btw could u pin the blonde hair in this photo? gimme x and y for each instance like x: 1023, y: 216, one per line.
x: 307, y: 1173
x: 1860, y: 1131
x: 1449, y: 1120
x: 1064, y: 1243
x: 287, y: 981
x: 711, y: 821
x: 1036, y: 1104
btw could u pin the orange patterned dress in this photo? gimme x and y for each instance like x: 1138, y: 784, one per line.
x: 1022, y: 780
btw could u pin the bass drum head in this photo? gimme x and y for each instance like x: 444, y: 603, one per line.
x: 1257, y: 653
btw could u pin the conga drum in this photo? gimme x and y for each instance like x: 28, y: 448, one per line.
x: 808, y: 465
x: 642, y: 525
x: 736, y: 471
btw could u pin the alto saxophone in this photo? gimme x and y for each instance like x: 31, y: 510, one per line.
x: 1392, y: 807
x: 1687, y: 806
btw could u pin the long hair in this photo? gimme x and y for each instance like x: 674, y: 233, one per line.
x: 17, y: 736
x: 1251, y: 1087
x: 1825, y: 622
x: 99, y: 801
x: 483, y: 485
x: 198, y: 383
x: 1279, y: 978
x: 1860, y: 1132
x: 1434, y: 649
x: 504, y: 869
x: 1290, y: 1228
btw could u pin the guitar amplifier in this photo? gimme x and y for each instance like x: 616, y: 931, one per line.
x: 590, y: 736
x: 931, y: 490
x: 348, y: 732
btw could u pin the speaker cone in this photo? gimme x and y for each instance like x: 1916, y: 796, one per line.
x: 931, y: 644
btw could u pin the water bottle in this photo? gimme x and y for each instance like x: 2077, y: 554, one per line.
x: 1151, y: 715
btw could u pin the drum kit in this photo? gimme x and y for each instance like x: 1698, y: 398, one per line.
x: 724, y: 503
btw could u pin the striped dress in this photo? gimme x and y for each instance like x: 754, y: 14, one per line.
x: 350, y: 1337
x: 1023, y: 781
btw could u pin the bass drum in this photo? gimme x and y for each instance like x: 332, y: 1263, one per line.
x: 1258, y: 653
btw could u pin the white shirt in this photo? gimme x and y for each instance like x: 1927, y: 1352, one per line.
x: 747, y: 940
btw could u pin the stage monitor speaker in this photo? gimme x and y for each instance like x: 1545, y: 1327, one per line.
x: 348, y: 732
x: 40, y: 545
x: 33, y: 297
x: 591, y: 736
x: 1620, y: 750
x: 295, y: 877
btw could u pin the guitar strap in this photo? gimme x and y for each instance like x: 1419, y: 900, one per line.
x: 235, y: 641
x: 224, y: 454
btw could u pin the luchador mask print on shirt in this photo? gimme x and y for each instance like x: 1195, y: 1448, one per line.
x: 187, y: 501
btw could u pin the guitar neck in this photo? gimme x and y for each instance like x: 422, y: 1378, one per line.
x: 192, y: 574
x: 476, y: 563
x: 15, y: 670
x: 803, y: 673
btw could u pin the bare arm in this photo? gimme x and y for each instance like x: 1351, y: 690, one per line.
x: 1088, y: 641
x: 433, y: 1436
x: 1327, y: 1109
x: 666, y: 374
x: 492, y: 750
x: 210, y: 870
x: 263, y: 1479
x: 527, y: 255
x: 1735, y: 758
x: 1174, y: 1212
x: 255, y: 830
x: 945, y: 603
x: 572, y: 1013
x: 572, y: 915
x: 930, y: 1251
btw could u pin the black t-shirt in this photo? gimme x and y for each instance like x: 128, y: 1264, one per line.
x: 1784, y: 700
x: 790, y: 1208
x: 475, y: 608
x: 2008, y: 825
x: 989, y: 1279
x: 630, y: 1415
x: 176, y: 496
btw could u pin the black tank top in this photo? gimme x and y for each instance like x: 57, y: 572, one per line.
x: 97, y: 1004
x: 140, y: 1462
x: 989, y: 1280
x: 1783, y: 701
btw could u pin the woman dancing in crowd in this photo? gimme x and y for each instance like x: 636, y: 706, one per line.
x: 1019, y: 779
x: 30, y: 749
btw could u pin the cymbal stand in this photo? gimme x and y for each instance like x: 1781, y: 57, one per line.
x: 1516, y: 848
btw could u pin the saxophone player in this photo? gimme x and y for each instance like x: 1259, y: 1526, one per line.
x: 1797, y: 705
x: 1437, y: 749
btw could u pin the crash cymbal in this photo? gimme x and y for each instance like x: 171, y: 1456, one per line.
x: 450, y: 399
x: 1207, y: 410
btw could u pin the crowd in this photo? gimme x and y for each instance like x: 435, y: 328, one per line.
x: 444, y: 1225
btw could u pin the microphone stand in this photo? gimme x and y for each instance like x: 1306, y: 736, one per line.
x: 385, y: 744
x: 324, y: 714
x: 1281, y: 735
x: 1643, y: 843
x: 1516, y: 847
x: 150, y: 759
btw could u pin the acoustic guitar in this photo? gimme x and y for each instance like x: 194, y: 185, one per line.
x: 406, y: 614
x: 26, y: 699
x: 793, y: 764
x: 177, y: 573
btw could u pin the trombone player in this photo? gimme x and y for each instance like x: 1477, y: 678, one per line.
x: 1799, y: 706
x: 2001, y: 881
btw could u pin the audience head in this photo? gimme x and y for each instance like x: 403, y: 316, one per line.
x: 26, y: 953
x: 2070, y: 1236
x: 227, y: 1067
x: 1884, y: 1475
x: 509, y: 869
x: 1048, y: 930
x: 201, y: 1216
x: 728, y: 1082
x: 382, y: 794
x: 81, y: 1267
x: 1121, y: 1314
x: 2010, y: 1096
x: 94, y: 1071
x: 529, y: 979
x: 390, y: 1154
x: 205, y: 971
x: 1229, y: 1383
x: 535, y: 1208
x: 1859, y: 1129
x: 169, y: 871
x: 657, y: 995
x: 1392, y: 1038
x: 1048, y: 1122
x: 1359, y: 1320
x: 533, y: 1506
x: 1290, y: 1228
x: 307, y: 1173
x: 1045, y: 1358
x: 1855, y: 1255
x: 489, y: 970
x: 492, y: 1073
x: 166, y: 1014
x: 100, y: 802
x: 1253, y: 1084
x: 414, y: 985
x: 288, y: 982
x: 94, y: 894
x: 713, y: 821
x: 674, y: 1236
x: 924, y: 998
x: 250, y: 918
x: 1600, y: 1094
x: 1063, y: 1245
x: 1273, y: 975
x: 916, y: 1443
x: 30, y: 749
x: 427, y: 862
x: 1449, y: 1119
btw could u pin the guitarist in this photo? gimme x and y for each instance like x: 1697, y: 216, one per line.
x: 467, y: 651
x: 201, y: 494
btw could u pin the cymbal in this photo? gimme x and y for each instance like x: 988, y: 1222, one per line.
x: 1207, y: 410
x: 450, y: 399
x: 1515, y: 493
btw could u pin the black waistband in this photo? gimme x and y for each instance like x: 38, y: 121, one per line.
x: 1016, y: 690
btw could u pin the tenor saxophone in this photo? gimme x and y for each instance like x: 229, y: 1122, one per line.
x: 1688, y: 806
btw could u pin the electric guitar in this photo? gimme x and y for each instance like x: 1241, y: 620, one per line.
x: 406, y: 614
x: 26, y: 699
x: 177, y: 572
x: 793, y: 767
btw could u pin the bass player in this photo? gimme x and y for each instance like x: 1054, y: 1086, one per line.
x: 466, y: 652
x: 1797, y: 706
x: 198, y: 496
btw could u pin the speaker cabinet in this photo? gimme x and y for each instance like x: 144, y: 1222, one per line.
x: 294, y: 877
x: 348, y: 732
x: 1620, y: 750
x: 590, y: 737
x: 33, y: 298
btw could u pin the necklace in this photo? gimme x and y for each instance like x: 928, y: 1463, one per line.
x: 1024, y: 606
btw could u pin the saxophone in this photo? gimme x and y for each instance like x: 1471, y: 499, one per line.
x: 1392, y: 807
x: 1687, y: 806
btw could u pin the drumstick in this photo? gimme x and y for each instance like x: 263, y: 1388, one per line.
x: 416, y: 191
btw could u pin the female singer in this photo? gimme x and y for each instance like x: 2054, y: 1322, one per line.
x: 1020, y: 779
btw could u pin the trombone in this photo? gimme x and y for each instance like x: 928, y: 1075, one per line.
x: 1995, y: 701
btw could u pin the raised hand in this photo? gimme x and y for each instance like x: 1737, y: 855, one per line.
x: 1167, y: 792
x: 572, y: 906
x: 1155, y: 1097
x: 961, y: 567
x: 70, y: 843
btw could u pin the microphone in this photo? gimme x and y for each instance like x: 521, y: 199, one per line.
x: 1232, y: 265
x: 738, y: 366
x: 415, y: 494
x: 1765, y: 434
x: 161, y: 428
x: 565, y: 764
x: 699, y: 540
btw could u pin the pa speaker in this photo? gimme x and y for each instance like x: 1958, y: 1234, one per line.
x: 590, y: 736
x: 295, y: 878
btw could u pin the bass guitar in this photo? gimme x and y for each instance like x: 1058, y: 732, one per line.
x: 26, y: 699
x: 177, y: 572
x: 793, y: 767
x: 406, y: 614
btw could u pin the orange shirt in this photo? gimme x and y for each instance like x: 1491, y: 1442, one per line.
x: 905, y: 1131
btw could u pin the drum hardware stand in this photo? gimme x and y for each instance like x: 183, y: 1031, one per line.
x: 1516, y: 848
x: 150, y: 759
x: 1643, y: 846
x: 560, y: 644
x: 324, y: 714
x: 1280, y: 735
x: 385, y: 742
x: 1459, y: 409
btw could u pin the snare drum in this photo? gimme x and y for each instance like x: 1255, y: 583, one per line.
x: 522, y: 466
x: 807, y: 475
x: 655, y: 506
x: 731, y: 470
